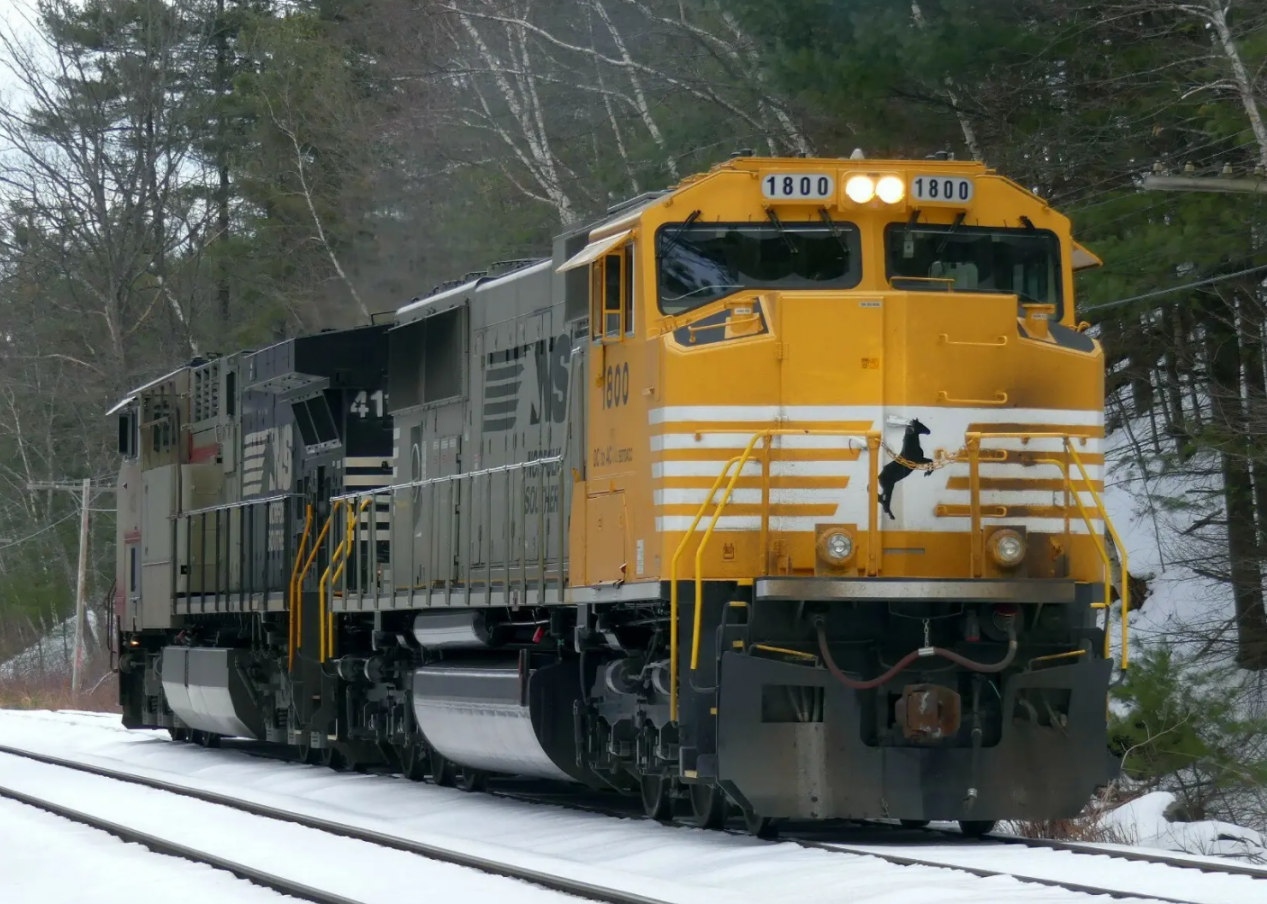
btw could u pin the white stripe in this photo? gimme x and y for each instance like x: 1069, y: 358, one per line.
x: 783, y: 524
x: 710, y: 469
x: 741, y: 440
x: 793, y: 496
x: 874, y: 413
x: 365, y: 480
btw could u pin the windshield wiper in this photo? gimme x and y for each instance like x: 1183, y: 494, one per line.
x: 671, y: 241
x: 778, y: 225
x: 946, y: 238
x: 835, y: 231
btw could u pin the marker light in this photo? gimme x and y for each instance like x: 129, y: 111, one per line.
x: 860, y: 189
x: 891, y: 189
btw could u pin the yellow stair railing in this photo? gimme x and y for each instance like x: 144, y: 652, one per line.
x: 732, y: 470
x: 332, y: 574
x: 973, y: 447
x: 290, y: 598
x: 297, y: 597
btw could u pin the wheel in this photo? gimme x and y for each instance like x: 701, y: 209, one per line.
x: 913, y: 823
x: 443, y: 772
x: 331, y: 758
x: 413, y: 761
x: 470, y: 780
x: 179, y: 735
x: 657, y: 799
x: 307, y: 753
x: 709, y: 807
x: 975, y: 828
x: 760, y: 826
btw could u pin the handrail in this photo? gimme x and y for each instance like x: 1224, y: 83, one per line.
x: 316, y: 547
x: 973, y: 445
x: 450, y: 478
x: 673, y: 594
x: 354, y: 512
x: 873, y: 438
x: 325, y: 618
x: 1121, y: 550
x: 290, y: 599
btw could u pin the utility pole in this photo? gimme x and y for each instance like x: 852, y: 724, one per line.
x: 1206, y: 184
x: 81, y: 583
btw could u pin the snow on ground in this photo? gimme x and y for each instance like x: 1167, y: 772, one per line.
x: 52, y: 654
x: 1144, y: 821
x: 45, y: 859
x: 671, y: 863
x: 354, y: 869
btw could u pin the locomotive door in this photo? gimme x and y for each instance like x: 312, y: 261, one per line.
x: 616, y: 367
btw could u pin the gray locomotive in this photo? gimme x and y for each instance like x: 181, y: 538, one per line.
x: 480, y: 540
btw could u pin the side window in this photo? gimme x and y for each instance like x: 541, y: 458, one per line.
x: 613, y: 283
x: 628, y: 306
x: 134, y: 577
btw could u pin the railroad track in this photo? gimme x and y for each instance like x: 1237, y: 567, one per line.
x: 283, y: 884
x: 596, y: 893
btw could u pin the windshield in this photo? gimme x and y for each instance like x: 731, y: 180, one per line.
x: 701, y: 263
x: 1024, y: 262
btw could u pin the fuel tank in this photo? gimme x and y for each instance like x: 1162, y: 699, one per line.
x: 495, y: 716
x: 207, y: 691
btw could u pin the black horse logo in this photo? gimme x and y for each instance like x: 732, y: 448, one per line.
x: 896, y: 471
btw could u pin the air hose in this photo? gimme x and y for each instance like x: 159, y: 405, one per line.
x: 921, y: 653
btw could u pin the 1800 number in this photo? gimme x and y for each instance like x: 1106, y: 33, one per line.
x: 799, y: 187
x: 947, y: 189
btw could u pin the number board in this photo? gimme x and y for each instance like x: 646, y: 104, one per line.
x: 798, y: 186
x: 942, y: 189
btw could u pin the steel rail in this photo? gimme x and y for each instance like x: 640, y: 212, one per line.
x: 561, y: 884
x: 613, y: 896
x: 158, y: 845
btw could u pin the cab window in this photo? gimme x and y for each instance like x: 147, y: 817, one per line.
x: 1021, y: 262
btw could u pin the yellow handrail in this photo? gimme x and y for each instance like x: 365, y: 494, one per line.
x: 341, y: 553
x: 1121, y: 550
x: 673, y: 594
x: 290, y: 599
x: 299, y: 597
x: 738, y: 462
x: 973, y: 444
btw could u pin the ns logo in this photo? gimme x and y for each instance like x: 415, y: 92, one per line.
x: 512, y: 396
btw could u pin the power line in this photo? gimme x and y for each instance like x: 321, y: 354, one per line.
x: 1160, y: 292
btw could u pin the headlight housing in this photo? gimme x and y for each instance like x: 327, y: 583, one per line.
x: 1007, y: 548
x: 860, y: 189
x: 838, y: 546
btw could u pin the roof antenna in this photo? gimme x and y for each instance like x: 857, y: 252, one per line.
x: 857, y: 154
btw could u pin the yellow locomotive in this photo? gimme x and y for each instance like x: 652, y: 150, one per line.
x: 800, y: 514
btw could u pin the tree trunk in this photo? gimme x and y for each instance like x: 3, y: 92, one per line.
x: 1223, y: 350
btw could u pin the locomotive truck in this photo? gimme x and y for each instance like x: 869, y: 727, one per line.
x: 775, y: 493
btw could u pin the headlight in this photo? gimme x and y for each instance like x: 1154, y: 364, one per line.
x: 1008, y: 548
x: 891, y: 189
x: 838, y: 547
x: 860, y: 189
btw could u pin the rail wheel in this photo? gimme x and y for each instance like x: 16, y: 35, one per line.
x: 975, y: 828
x: 179, y: 735
x: 709, y: 807
x: 471, y: 780
x: 307, y: 753
x: 413, y: 761
x: 913, y: 823
x: 761, y: 826
x: 657, y: 796
x: 443, y: 771
x: 331, y: 758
